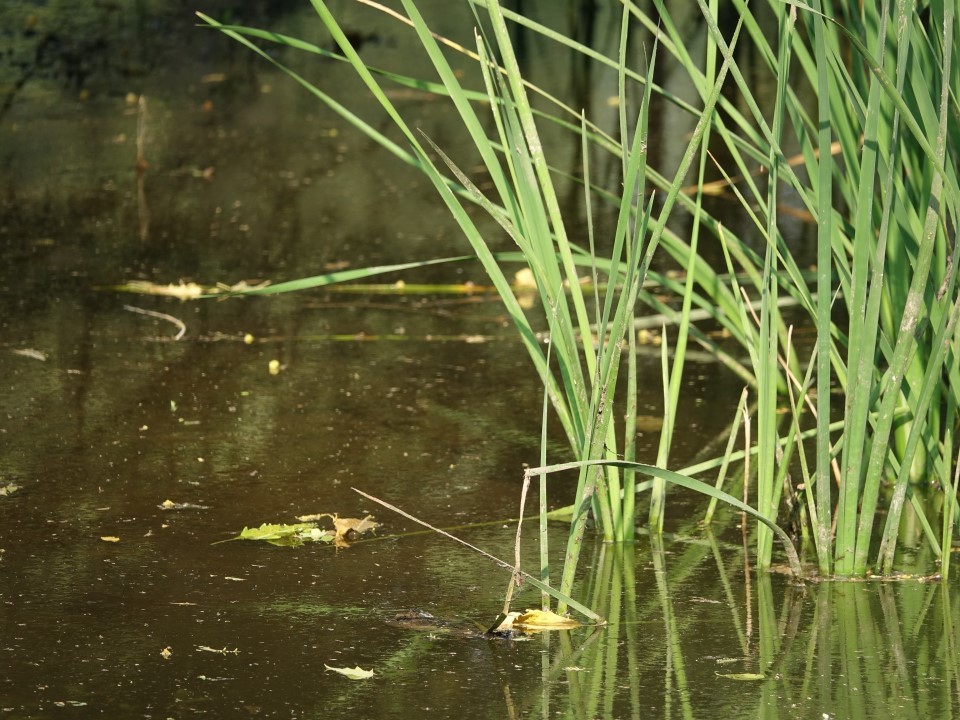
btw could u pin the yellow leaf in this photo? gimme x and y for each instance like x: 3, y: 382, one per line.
x: 503, y: 623
x: 524, y: 280
x: 544, y: 620
x: 649, y: 423
x: 355, y: 673
x: 166, y: 652
x: 110, y: 538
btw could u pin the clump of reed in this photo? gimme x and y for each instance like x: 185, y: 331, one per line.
x: 865, y: 95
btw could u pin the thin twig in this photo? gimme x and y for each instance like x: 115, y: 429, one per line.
x: 501, y: 563
x: 579, y: 607
x: 515, y: 578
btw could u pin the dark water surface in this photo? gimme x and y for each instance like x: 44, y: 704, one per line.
x: 424, y: 400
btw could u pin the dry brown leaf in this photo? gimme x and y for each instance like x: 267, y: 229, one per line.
x: 315, y: 517
x: 342, y: 526
x: 182, y: 291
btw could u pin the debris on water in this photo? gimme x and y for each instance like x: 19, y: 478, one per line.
x: 171, y: 505
x: 31, y: 353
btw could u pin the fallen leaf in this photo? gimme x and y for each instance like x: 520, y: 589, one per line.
x: 356, y: 673
x: 649, y: 423
x: 544, y: 620
x: 166, y: 653
x: 9, y: 489
x: 646, y: 337
x: 524, y: 280
x: 218, y: 651
x: 503, y: 623
x: 32, y: 354
x: 273, y: 531
x: 743, y: 676
x: 110, y: 538
x: 171, y: 505
x: 183, y: 291
x: 342, y: 526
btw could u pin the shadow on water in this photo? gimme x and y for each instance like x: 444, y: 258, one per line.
x: 105, y: 417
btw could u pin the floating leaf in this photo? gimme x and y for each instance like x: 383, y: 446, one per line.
x: 166, y: 653
x: 218, y: 651
x: 110, y: 538
x: 274, y: 531
x: 8, y: 489
x: 649, y: 423
x: 355, y: 673
x: 342, y: 527
x: 352, y: 525
x: 503, y: 623
x: 524, y: 280
x: 316, y: 517
x: 183, y: 291
x: 307, y: 530
x: 743, y: 676
x: 544, y: 620
x: 31, y: 353
x: 286, y: 535
x: 189, y: 291
x: 171, y: 505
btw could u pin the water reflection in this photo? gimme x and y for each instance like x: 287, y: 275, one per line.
x: 851, y: 650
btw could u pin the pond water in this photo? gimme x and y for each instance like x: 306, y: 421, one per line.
x: 424, y: 400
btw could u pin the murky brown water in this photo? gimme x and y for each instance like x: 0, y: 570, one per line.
x: 250, y: 178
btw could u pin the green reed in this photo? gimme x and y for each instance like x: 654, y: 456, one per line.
x: 864, y: 98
